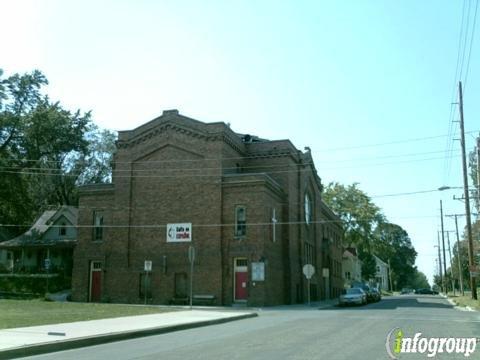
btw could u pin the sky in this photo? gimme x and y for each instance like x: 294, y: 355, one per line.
x: 367, y: 85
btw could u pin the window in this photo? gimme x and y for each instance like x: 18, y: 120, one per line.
x: 309, y: 253
x: 240, y: 221
x: 97, y: 226
x: 241, y: 262
x: 274, y: 223
x: 62, y: 231
x: 308, y: 209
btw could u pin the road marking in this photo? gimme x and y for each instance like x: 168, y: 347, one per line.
x: 412, y: 319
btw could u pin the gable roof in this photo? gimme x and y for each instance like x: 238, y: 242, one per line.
x: 33, y: 237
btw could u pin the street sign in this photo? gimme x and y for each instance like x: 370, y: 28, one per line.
x: 191, y: 254
x: 474, y: 274
x: 326, y: 272
x: 308, y: 271
x: 47, y: 263
x: 148, y: 265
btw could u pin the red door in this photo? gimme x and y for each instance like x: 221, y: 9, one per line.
x: 96, y: 281
x: 241, y: 285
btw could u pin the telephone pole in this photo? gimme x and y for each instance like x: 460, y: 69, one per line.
x: 471, y: 261
x: 443, y: 246
x: 460, y: 273
x: 478, y: 174
x: 439, y: 259
x: 451, y: 264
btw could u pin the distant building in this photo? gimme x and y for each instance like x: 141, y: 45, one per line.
x: 351, y: 266
x: 53, y: 236
x: 381, y: 274
x: 251, y: 208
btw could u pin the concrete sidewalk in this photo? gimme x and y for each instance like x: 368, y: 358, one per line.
x: 34, y: 340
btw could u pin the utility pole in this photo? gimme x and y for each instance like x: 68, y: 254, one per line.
x: 443, y: 246
x: 478, y: 174
x: 439, y: 258
x: 460, y: 274
x: 471, y: 261
x: 451, y: 265
x: 390, y: 276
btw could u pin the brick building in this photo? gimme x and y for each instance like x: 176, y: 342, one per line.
x: 250, y: 207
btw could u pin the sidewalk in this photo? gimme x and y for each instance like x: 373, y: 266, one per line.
x: 56, y: 337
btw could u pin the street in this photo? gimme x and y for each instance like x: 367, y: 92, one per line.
x: 294, y: 332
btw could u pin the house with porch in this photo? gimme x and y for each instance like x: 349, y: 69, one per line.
x: 47, y: 246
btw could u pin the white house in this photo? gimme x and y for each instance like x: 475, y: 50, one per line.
x: 351, y: 266
x: 381, y: 275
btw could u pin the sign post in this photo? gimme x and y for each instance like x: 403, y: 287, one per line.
x: 308, y: 271
x: 191, y: 259
x: 47, y: 267
x: 148, y: 268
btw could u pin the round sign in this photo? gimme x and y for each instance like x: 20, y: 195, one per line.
x: 308, y: 270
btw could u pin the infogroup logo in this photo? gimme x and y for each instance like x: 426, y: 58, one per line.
x: 397, y: 344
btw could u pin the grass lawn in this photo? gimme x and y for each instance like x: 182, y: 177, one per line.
x: 465, y: 300
x: 21, y: 313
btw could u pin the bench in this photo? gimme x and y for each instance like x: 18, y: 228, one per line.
x: 204, y: 299
x: 179, y: 301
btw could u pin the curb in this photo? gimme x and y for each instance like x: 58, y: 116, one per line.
x: 110, y: 337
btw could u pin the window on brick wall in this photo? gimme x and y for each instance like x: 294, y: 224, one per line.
x: 309, y: 253
x: 274, y: 225
x: 240, y: 221
x: 308, y: 209
x: 97, y: 225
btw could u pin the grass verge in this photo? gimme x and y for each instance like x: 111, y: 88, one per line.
x: 465, y: 301
x: 23, y: 313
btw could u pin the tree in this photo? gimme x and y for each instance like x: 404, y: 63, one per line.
x: 392, y: 244
x: 359, y: 214
x: 360, y: 217
x: 45, y: 150
x: 463, y: 251
x: 419, y: 280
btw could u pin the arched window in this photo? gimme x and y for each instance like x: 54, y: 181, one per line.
x: 308, y: 209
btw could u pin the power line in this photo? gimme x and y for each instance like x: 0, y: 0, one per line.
x: 54, y: 172
x: 236, y: 168
x: 264, y: 154
x: 471, y: 45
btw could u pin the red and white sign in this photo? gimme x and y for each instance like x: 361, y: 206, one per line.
x: 179, y: 232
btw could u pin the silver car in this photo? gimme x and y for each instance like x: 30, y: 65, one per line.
x: 353, y: 296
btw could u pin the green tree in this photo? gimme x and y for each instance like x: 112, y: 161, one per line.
x: 45, y: 150
x: 360, y: 217
x: 419, y: 280
x: 359, y: 214
x: 392, y: 244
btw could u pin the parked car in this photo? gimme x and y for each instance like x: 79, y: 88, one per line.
x: 377, y: 294
x: 424, y: 291
x: 368, y: 291
x: 353, y: 296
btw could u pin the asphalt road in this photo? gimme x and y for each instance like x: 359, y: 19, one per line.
x: 301, y: 333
